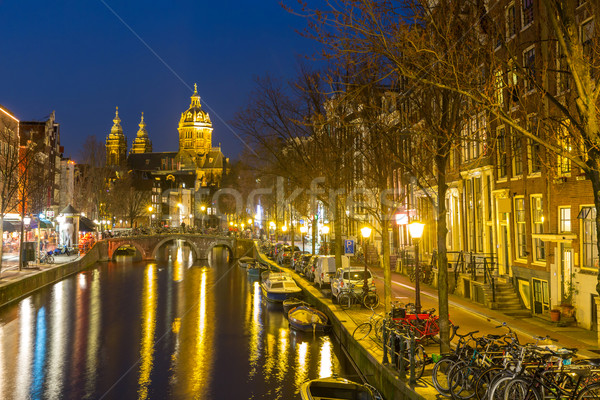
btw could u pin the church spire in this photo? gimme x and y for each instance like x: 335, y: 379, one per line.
x: 195, y: 98
x: 116, y: 143
x: 141, y: 144
x: 116, y: 128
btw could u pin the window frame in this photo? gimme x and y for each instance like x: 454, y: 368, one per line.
x: 537, y: 227
x: 520, y: 222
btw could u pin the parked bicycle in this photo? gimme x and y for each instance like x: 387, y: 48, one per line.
x: 46, y: 257
x: 363, y: 330
x: 348, y: 296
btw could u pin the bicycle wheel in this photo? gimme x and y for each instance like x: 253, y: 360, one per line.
x: 497, y: 388
x: 419, y: 360
x: 362, y: 331
x: 379, y: 329
x: 463, y: 382
x: 485, y: 380
x: 439, y: 375
x: 590, y: 392
x: 345, y: 300
x: 371, y: 300
x: 521, y: 389
x: 50, y: 259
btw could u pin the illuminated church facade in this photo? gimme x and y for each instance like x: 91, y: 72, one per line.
x: 181, y: 182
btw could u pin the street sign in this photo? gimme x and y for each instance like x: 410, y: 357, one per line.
x: 349, y: 247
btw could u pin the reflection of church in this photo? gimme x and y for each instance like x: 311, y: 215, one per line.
x: 181, y: 182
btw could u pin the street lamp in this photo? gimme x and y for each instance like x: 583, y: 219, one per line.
x: 203, y: 208
x: 303, y: 230
x: 416, y: 231
x: 325, y: 230
x: 365, y: 231
x: 150, y: 215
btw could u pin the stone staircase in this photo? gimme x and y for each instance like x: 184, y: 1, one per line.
x: 507, y: 300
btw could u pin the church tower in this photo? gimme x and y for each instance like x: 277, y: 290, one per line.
x: 141, y: 144
x: 116, y: 143
x: 195, y: 128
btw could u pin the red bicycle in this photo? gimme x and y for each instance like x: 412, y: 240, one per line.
x: 424, y: 325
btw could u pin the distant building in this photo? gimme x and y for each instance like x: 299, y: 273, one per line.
x: 181, y: 181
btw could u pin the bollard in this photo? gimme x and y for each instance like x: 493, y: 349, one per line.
x: 385, y: 349
x: 411, y: 355
x: 401, y: 361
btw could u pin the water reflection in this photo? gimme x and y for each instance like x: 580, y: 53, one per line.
x: 148, y: 325
x: 172, y: 329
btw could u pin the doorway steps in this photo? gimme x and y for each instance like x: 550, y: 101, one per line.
x: 507, y: 300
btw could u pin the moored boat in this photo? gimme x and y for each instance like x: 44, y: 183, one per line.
x: 244, y: 262
x: 292, y: 302
x: 335, y: 388
x: 278, y: 286
x: 308, y: 319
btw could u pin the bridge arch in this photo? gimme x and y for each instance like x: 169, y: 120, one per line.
x: 219, y: 242
x: 117, y: 245
x: 197, y: 252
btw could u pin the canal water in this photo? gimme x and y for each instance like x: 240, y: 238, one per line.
x: 170, y: 329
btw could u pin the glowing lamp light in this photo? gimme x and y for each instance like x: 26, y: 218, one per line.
x: 416, y: 229
x: 27, y: 220
x: 230, y: 223
x: 325, y: 229
x: 150, y: 208
x: 303, y: 229
x: 365, y: 231
x: 272, y: 225
x: 202, y: 208
x: 284, y: 228
x: 249, y: 221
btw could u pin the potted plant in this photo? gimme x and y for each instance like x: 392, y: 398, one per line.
x: 567, y: 303
x: 555, y: 315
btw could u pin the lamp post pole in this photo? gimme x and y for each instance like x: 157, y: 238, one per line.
x: 416, y: 231
x: 417, y: 280
x: 365, y: 232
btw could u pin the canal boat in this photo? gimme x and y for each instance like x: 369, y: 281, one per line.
x: 255, y: 268
x: 278, y: 286
x: 245, y: 261
x: 307, y: 319
x: 336, y: 388
x: 292, y: 302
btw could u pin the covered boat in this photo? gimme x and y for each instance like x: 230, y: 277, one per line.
x: 256, y: 268
x: 308, y: 319
x: 244, y: 262
x: 335, y: 388
x: 278, y: 286
x: 292, y: 302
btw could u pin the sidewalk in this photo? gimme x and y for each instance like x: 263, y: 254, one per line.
x: 472, y: 316
x: 10, y: 269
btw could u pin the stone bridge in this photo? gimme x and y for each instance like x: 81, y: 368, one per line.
x: 202, y: 245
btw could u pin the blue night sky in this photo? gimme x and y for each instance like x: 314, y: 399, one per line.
x: 79, y: 59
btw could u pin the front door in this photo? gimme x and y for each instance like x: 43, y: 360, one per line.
x: 541, y: 299
x: 566, y: 267
x: 503, y: 252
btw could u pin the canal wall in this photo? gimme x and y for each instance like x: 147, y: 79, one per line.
x: 366, y: 354
x: 23, y: 284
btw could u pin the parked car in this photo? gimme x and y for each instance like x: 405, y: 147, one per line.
x: 309, y: 270
x: 285, y: 255
x: 302, y: 262
x: 326, y: 268
x: 350, y: 275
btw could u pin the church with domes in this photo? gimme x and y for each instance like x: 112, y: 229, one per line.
x: 181, y: 182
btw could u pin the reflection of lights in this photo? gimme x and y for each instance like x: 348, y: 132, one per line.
x: 255, y: 328
x: 25, y: 349
x: 325, y: 367
x: 93, y: 343
x: 201, y: 371
x: 148, y: 325
x: 81, y: 281
x: 57, y: 340
x: 283, y: 347
x: 301, y: 371
x: 39, y: 358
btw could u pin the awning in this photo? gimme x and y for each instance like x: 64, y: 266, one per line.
x: 11, y: 226
x: 44, y: 224
x: 86, y: 225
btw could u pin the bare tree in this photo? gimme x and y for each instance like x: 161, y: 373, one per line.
x: 127, y: 201
x: 9, y: 169
x: 92, y: 179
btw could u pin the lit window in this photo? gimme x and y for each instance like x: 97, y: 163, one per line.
x: 537, y: 219
x: 589, y: 247
x: 564, y: 219
x: 520, y: 227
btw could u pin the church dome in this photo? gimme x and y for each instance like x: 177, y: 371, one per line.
x: 195, y: 114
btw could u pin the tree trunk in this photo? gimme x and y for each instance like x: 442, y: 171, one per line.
x: 385, y: 249
x: 337, y: 230
x: 1, y: 241
x: 442, y: 256
x: 314, y: 233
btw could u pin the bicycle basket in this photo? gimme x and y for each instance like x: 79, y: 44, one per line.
x: 398, y: 313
